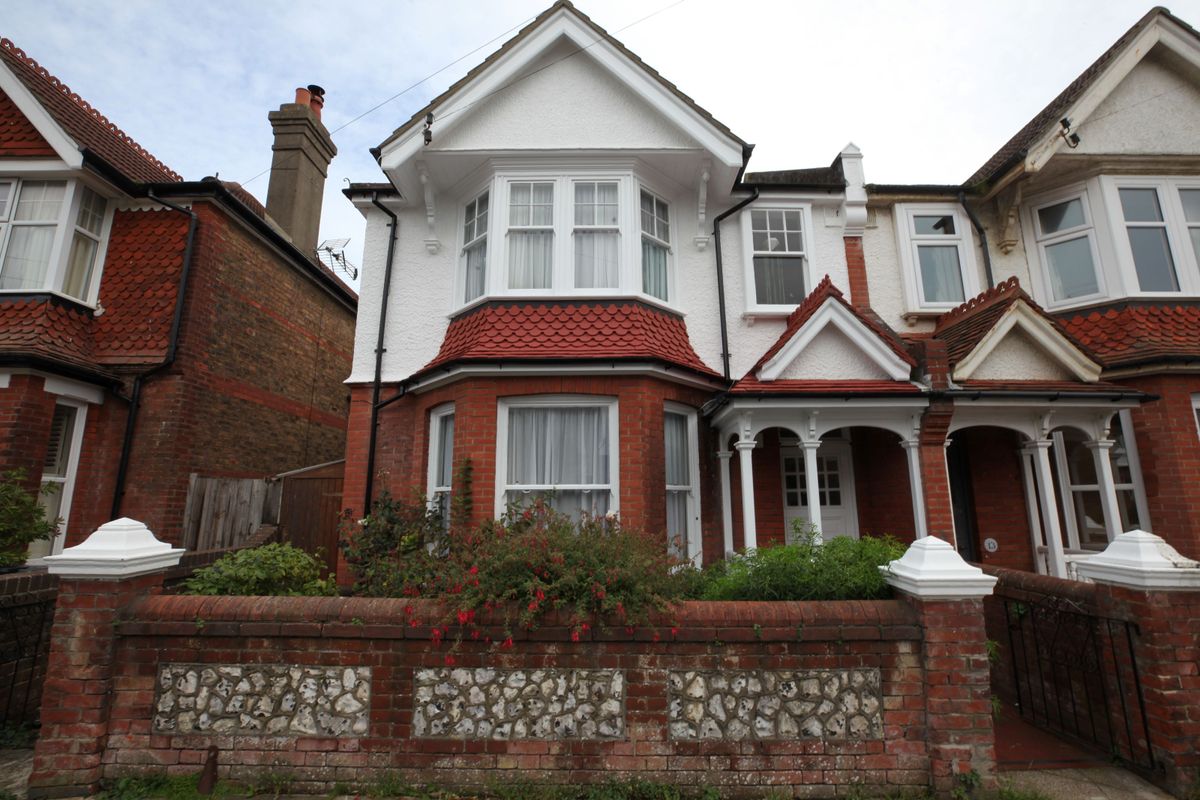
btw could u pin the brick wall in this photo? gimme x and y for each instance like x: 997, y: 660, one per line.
x: 998, y: 490
x: 103, y: 706
x: 882, y: 484
x: 26, y: 411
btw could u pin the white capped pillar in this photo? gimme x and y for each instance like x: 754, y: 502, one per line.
x: 812, y: 484
x: 745, y: 448
x: 1101, y: 449
x: 912, y: 452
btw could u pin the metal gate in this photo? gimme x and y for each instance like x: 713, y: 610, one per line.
x: 1076, y: 674
x: 24, y: 646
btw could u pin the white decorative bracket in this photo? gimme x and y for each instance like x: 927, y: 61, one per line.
x: 701, y: 239
x: 933, y: 570
x: 432, y: 243
x: 1008, y: 207
x: 855, y: 203
x: 1140, y: 560
x: 123, y: 548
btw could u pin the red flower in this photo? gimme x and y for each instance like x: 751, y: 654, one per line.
x: 507, y: 643
x: 437, y: 635
x: 533, y: 606
x: 474, y: 570
x: 449, y: 660
x: 464, y: 617
x: 656, y: 637
x: 574, y: 636
x: 674, y: 632
x: 540, y: 595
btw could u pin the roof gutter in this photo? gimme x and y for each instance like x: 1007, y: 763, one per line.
x: 135, y: 396
x: 983, y: 242
x: 721, y: 275
x: 369, y: 491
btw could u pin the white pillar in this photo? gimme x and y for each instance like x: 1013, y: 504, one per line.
x: 1031, y: 510
x: 745, y: 450
x: 1108, y: 490
x: 812, y: 485
x: 1141, y: 560
x: 1055, y: 560
x: 912, y: 450
x: 726, y: 500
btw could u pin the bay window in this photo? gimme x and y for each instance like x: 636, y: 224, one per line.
x: 656, y: 244
x: 441, y: 461
x: 1066, y: 241
x: 58, y: 471
x: 683, y: 491
x: 51, y: 235
x: 561, y: 449
x: 1190, y: 200
x: 778, y: 276
x: 474, y: 252
x: 530, y: 235
x: 938, y: 255
x: 1149, y: 245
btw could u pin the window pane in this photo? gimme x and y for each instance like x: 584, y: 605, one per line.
x: 1140, y: 205
x: 1072, y: 273
x: 5, y: 196
x: 596, y: 259
x: 778, y: 280
x: 553, y: 446
x: 941, y: 274
x: 445, y: 465
x: 475, y: 257
x: 79, y: 266
x: 675, y: 436
x: 677, y: 523
x: 654, y: 269
x: 1196, y: 241
x: 758, y: 220
x: 91, y: 212
x: 593, y: 502
x: 1152, y: 259
x: 40, y: 201
x: 1061, y: 216
x: 933, y: 225
x: 58, y: 446
x: 1189, y: 197
x: 27, y: 257
x: 1089, y: 518
x: 530, y: 259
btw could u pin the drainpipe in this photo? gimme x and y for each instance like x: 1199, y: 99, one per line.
x: 379, y: 351
x: 975, y: 223
x: 721, y: 275
x: 135, y: 395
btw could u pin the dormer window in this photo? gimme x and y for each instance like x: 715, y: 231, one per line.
x: 51, y: 235
x: 778, y: 256
x: 938, y: 256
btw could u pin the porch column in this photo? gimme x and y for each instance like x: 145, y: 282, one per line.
x: 812, y: 485
x: 726, y: 500
x: 1108, y: 489
x: 912, y: 452
x: 1055, y: 559
x: 745, y: 448
x: 1031, y: 504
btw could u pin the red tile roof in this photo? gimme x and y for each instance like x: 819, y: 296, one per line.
x: 88, y: 127
x: 47, y: 327
x: 1044, y: 386
x: 1138, y: 333
x: 751, y: 385
x: 18, y: 137
x: 568, y: 331
x: 823, y: 291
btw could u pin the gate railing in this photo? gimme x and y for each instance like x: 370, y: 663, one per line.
x: 1076, y: 673
x: 24, y: 643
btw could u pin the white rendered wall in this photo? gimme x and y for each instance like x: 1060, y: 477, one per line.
x: 831, y: 356
x: 1018, y: 357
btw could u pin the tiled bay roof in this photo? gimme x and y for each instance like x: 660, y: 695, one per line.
x: 1135, y: 333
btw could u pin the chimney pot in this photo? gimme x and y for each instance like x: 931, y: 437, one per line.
x: 318, y: 99
x: 303, y: 96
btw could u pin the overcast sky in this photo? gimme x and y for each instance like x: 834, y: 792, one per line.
x: 927, y: 89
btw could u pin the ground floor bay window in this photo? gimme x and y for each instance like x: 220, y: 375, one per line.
x: 58, y: 471
x: 560, y: 448
x: 683, y: 491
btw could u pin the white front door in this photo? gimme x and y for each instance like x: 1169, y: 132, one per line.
x: 835, y: 477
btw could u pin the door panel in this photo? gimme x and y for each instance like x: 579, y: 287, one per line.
x: 835, y: 479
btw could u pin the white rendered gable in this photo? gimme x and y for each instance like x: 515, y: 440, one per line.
x: 1023, y: 345
x: 834, y: 345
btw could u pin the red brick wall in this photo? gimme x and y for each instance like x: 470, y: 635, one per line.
x: 26, y: 411
x: 999, y: 495
x: 1169, y: 449
x: 856, y: 266
x: 881, y: 484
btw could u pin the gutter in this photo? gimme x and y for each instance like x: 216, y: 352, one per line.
x: 379, y: 351
x: 975, y: 223
x: 135, y: 397
x: 721, y: 275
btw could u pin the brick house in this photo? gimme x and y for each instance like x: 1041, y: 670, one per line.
x: 151, y: 327
x: 573, y: 279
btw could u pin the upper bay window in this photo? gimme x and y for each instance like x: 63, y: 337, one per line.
x: 1067, y: 244
x: 51, y: 236
x: 777, y: 275
x: 593, y: 235
x: 938, y: 256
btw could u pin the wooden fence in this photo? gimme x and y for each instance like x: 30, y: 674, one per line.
x: 225, y: 512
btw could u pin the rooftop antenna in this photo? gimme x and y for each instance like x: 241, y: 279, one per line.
x: 332, y: 253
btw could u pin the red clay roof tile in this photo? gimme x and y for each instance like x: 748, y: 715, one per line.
x: 1138, y: 333
x: 18, y: 136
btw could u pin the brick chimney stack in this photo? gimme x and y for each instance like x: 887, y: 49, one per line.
x: 302, y: 151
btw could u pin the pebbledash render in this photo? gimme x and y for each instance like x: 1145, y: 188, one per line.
x: 575, y: 283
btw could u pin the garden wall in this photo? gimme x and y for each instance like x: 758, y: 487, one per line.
x: 813, y: 697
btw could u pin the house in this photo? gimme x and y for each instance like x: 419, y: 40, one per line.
x: 611, y: 308
x: 152, y: 328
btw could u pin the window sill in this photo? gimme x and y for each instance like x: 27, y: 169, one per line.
x: 50, y: 294
x: 561, y: 297
x: 752, y: 315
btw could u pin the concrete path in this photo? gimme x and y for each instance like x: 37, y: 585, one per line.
x: 1093, y: 783
x: 15, y: 766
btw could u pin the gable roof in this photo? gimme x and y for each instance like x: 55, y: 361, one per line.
x: 1019, y: 145
x: 525, y: 33
x: 90, y: 129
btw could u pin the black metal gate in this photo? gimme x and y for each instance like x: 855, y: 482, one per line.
x: 24, y: 648
x: 1076, y: 674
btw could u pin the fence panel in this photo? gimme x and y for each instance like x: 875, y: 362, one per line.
x: 225, y: 512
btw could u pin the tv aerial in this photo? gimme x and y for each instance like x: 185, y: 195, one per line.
x: 332, y: 253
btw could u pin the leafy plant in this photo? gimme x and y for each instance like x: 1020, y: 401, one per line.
x: 272, y: 569
x: 22, y: 518
x: 839, y: 568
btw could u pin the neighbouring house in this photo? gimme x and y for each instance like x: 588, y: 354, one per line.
x: 574, y: 281
x: 152, y: 328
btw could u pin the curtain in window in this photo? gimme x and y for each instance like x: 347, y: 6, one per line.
x: 551, y: 447
x: 79, y: 265
x: 778, y: 281
x: 445, y: 474
x: 654, y: 269
x: 675, y: 437
x: 941, y: 274
x: 476, y: 258
x: 530, y: 259
x: 596, y: 261
x: 27, y: 258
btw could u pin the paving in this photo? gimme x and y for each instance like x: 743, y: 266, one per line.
x: 15, y: 766
x: 1092, y: 783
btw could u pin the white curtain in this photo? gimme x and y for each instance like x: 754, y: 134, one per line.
x: 941, y: 276
x: 550, y: 447
x: 476, y: 269
x: 596, y: 261
x: 79, y: 266
x: 530, y: 259
x: 654, y: 269
x: 779, y: 280
x: 27, y: 257
x: 445, y: 470
x: 675, y: 437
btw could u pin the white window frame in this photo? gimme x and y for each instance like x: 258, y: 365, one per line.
x: 908, y: 242
x: 1187, y: 271
x: 692, y: 538
x: 460, y: 289
x: 64, y: 232
x: 67, y: 482
x: 1036, y: 252
x: 639, y: 188
x: 434, y: 489
x: 753, y: 307
x: 504, y: 404
x: 577, y: 228
x: 1196, y: 411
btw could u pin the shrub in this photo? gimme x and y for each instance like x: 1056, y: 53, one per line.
x: 22, y: 518
x: 840, y: 568
x: 272, y: 569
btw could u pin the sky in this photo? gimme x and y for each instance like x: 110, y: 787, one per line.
x: 928, y: 89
